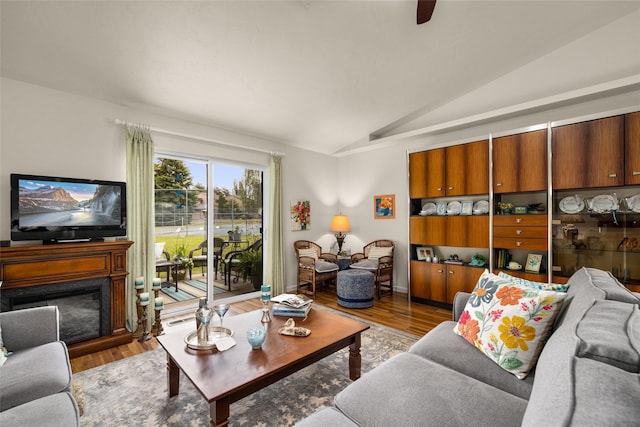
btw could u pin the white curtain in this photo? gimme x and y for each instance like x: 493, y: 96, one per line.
x: 140, y: 219
x: 274, y: 274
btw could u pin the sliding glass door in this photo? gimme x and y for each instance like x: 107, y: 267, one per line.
x: 209, y: 243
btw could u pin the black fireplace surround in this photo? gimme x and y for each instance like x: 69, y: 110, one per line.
x: 84, y: 306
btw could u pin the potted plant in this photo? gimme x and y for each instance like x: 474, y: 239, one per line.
x: 250, y: 266
x: 181, y: 255
x: 237, y: 234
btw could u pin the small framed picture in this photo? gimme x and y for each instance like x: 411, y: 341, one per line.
x: 423, y: 253
x: 534, y: 261
x: 441, y: 208
x: 467, y: 207
x: 384, y: 206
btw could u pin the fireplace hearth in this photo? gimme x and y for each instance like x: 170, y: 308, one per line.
x: 84, y: 306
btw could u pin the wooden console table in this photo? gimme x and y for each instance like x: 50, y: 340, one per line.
x: 35, y: 265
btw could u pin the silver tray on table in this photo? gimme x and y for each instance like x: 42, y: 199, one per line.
x: 192, y: 339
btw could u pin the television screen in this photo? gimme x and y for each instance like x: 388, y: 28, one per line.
x: 51, y: 208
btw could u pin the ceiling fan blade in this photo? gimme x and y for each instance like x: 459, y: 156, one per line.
x: 425, y: 10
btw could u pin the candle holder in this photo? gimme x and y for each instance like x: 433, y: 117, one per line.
x: 265, y: 297
x: 143, y: 300
x: 157, y: 325
x: 139, y: 329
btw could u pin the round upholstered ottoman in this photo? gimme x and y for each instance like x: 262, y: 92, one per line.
x: 355, y: 288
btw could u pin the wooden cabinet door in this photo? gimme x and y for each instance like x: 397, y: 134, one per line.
x: 436, y: 282
x: 435, y: 172
x: 456, y: 231
x: 520, y: 162
x: 467, y: 231
x: 460, y: 279
x: 467, y: 169
x: 478, y: 231
x: 588, y: 154
x: 427, y: 231
x: 428, y: 281
x: 418, y: 175
x: 476, y: 172
x: 632, y: 149
x: 455, y: 170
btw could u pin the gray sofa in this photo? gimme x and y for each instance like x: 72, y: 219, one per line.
x: 35, y: 381
x: 588, y: 373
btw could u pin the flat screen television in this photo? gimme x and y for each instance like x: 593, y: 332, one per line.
x: 55, y: 209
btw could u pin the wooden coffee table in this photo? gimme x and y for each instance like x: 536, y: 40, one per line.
x: 226, y: 377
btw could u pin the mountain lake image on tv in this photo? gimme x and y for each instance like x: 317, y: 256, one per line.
x: 51, y: 208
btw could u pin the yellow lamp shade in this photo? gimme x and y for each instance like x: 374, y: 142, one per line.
x: 340, y: 223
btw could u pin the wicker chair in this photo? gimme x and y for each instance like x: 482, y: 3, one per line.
x: 377, y: 257
x: 314, y: 267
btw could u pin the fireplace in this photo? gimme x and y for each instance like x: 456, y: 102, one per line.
x: 87, y: 281
x: 84, y: 306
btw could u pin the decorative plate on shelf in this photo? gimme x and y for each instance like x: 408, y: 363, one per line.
x: 454, y: 208
x: 603, y: 203
x: 428, y: 209
x: 571, y: 205
x: 633, y: 203
x: 481, y: 207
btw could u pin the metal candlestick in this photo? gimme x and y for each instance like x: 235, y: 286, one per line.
x: 265, y: 297
x: 145, y: 332
x: 139, y: 329
x: 157, y: 325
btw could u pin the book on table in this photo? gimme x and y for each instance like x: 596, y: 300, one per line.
x: 288, y: 311
x: 292, y: 301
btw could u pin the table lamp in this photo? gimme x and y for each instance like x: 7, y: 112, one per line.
x: 340, y: 224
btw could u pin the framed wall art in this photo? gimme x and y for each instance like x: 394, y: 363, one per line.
x: 300, y: 215
x: 384, y: 206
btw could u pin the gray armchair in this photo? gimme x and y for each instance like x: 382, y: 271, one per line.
x: 36, y: 377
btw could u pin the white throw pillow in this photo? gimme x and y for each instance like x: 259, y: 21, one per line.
x: 377, y: 252
x: 310, y: 252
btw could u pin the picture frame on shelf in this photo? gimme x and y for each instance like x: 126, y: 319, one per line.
x: 534, y: 261
x: 467, y: 207
x: 423, y: 252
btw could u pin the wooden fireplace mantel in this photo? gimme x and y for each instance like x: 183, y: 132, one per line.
x: 34, y: 265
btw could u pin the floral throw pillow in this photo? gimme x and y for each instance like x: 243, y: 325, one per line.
x: 538, y: 285
x: 508, y: 322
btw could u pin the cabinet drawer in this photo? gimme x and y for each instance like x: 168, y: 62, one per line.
x: 521, y: 232
x: 516, y: 243
x: 520, y: 220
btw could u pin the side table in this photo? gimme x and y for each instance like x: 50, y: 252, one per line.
x: 344, y: 262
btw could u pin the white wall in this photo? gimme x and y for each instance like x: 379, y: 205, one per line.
x: 54, y: 133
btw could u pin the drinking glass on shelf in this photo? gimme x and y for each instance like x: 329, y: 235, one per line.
x: 221, y: 310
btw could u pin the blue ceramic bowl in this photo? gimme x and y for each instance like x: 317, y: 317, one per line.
x: 256, y: 337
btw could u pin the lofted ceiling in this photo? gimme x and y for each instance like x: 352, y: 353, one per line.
x: 319, y: 75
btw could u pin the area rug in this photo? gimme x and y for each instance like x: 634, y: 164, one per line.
x: 133, y: 391
x: 203, y: 286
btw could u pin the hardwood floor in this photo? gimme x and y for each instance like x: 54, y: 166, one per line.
x: 392, y: 311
